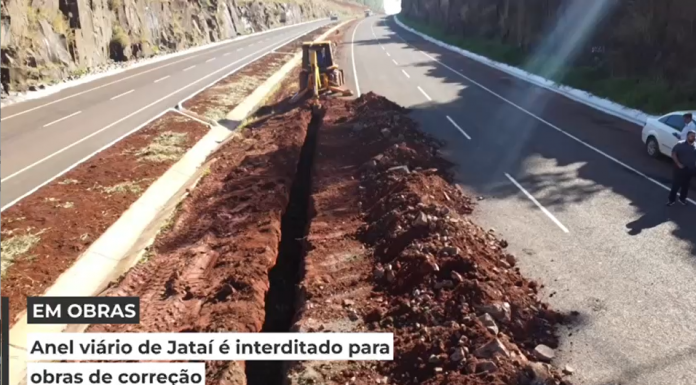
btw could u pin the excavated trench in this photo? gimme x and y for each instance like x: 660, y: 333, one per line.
x: 281, y: 299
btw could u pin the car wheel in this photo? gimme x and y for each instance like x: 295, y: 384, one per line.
x: 652, y: 147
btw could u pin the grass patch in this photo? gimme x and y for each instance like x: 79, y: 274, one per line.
x: 79, y: 72
x: 65, y: 205
x: 60, y: 24
x: 131, y: 187
x: 69, y: 181
x: 114, y: 5
x: 653, y: 96
x: 119, y: 36
x: 12, y: 220
x: 32, y: 15
x: 215, y: 113
x: 165, y: 147
x: 17, y: 247
x: 147, y: 256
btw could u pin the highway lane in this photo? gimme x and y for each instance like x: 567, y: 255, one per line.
x: 41, y: 138
x: 593, y: 230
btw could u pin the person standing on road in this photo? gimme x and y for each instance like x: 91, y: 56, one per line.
x: 684, y: 156
x: 689, y: 125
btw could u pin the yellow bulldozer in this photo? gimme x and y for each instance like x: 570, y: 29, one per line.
x: 319, y: 74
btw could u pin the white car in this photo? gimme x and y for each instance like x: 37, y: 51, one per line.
x: 661, y: 134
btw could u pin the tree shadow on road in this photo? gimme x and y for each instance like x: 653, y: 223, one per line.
x: 631, y: 374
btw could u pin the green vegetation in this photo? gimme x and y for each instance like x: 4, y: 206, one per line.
x: 118, y: 35
x: 126, y: 187
x: 165, y: 147
x: 148, y: 253
x: 375, y: 5
x: 32, y: 14
x: 18, y: 246
x: 60, y: 24
x: 114, y: 5
x: 66, y: 205
x: 79, y: 72
x: 177, y: 28
x: 655, y: 96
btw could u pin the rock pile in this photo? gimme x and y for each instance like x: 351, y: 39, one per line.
x: 460, y: 309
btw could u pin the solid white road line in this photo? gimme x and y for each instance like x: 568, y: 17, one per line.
x: 209, y: 60
x: 162, y: 78
x: 352, y: 54
x: 189, y: 68
x: 536, y: 202
x: 531, y: 114
x: 118, y: 96
x: 407, y: 75
x: 424, y: 94
x: 457, y: 126
x: 62, y: 119
x: 144, y: 108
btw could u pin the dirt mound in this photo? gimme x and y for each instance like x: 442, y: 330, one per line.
x: 393, y: 250
x: 365, y: 205
x: 374, y: 104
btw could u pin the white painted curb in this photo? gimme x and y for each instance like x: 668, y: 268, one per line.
x: 118, y: 249
x: 601, y: 104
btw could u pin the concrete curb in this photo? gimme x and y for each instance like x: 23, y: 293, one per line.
x: 586, y: 98
x: 122, y: 244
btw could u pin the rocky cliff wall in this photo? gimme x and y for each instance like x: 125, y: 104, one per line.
x: 644, y: 39
x: 46, y: 41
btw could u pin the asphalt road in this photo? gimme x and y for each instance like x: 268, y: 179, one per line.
x: 41, y: 138
x: 571, y: 190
